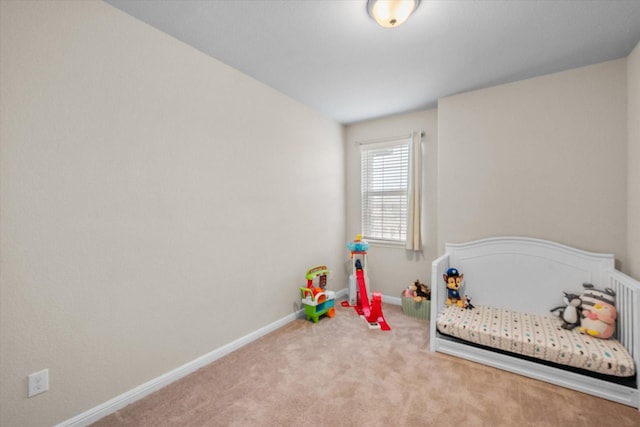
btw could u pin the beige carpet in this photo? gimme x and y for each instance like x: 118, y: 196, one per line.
x: 340, y: 373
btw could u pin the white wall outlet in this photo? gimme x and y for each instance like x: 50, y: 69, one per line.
x: 38, y: 382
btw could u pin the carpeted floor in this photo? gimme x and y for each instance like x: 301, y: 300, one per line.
x: 338, y: 372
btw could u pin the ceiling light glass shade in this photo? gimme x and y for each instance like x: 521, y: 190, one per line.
x: 391, y: 13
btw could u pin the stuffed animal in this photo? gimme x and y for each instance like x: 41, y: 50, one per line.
x: 420, y: 291
x: 467, y: 303
x: 453, y: 279
x: 599, y: 321
x: 598, y: 317
x: 569, y: 312
x: 590, y: 296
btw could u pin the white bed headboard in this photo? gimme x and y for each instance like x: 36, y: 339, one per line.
x: 525, y: 274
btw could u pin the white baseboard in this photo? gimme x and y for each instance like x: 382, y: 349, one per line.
x: 133, y: 395
x: 385, y: 298
x: 392, y: 300
x: 119, y: 402
x: 342, y: 293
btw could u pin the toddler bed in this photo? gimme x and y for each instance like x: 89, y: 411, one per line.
x: 514, y: 282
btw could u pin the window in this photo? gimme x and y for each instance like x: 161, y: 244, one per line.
x: 384, y: 185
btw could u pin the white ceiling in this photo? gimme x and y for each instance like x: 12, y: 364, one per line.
x: 331, y: 56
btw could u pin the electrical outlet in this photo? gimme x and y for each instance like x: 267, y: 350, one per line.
x: 38, y: 382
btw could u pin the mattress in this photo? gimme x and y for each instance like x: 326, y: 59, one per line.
x: 537, y: 336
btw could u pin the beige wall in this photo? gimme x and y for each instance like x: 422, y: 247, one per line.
x: 633, y: 192
x: 145, y: 219
x: 391, y: 269
x: 156, y: 205
x: 544, y: 157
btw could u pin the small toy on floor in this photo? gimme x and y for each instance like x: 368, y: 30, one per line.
x: 317, y: 300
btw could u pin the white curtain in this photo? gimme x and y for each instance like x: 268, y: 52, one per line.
x: 414, y: 202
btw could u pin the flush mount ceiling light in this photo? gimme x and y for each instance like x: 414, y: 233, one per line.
x: 391, y: 13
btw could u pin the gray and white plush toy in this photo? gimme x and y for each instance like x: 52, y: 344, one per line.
x: 569, y: 313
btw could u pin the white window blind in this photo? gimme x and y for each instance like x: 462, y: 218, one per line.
x: 384, y: 182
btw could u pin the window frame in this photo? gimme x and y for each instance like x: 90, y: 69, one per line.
x: 391, y: 176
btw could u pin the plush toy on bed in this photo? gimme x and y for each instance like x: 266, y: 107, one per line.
x: 569, y: 313
x: 467, y: 303
x: 453, y: 279
x: 599, y: 313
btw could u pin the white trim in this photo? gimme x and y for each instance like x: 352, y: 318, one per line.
x: 342, y: 293
x: 384, y: 140
x: 137, y: 393
x: 385, y: 298
x: 399, y: 244
x: 389, y: 138
x: 392, y: 300
x: 107, y: 408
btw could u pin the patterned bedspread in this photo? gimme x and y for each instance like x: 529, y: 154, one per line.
x: 536, y: 336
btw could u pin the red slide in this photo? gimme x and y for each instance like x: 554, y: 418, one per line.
x: 372, y: 313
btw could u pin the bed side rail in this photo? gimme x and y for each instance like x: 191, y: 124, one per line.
x: 438, y: 294
x: 627, y: 291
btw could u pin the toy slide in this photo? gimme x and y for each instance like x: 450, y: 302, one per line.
x: 373, y: 314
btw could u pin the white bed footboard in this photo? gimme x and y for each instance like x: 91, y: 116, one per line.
x: 529, y: 275
x: 628, y: 304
